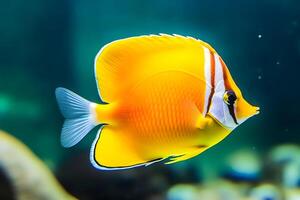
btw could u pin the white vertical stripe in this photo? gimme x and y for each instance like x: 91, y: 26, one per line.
x: 207, y: 76
x: 219, y: 78
x: 226, y: 119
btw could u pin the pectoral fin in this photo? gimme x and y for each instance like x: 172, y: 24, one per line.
x: 202, y: 122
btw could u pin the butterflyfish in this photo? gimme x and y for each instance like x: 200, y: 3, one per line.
x: 166, y: 98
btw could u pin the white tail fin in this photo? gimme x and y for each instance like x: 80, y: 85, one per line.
x: 79, y: 118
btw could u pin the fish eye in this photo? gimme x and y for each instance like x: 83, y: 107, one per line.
x: 229, y: 97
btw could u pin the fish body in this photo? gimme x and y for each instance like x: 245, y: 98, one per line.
x: 166, y: 98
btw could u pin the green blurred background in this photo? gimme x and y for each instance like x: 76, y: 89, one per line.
x: 51, y: 43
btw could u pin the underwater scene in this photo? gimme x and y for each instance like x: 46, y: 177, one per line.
x: 154, y: 100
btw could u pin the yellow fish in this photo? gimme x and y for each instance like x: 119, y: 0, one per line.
x: 167, y: 98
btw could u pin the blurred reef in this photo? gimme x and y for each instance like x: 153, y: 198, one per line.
x: 26, y: 176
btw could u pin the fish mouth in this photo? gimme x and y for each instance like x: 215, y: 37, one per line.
x: 257, y: 110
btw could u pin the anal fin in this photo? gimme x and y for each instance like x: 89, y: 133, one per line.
x: 114, y: 149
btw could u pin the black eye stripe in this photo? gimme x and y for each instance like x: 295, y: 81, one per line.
x: 231, y: 98
x: 232, y: 113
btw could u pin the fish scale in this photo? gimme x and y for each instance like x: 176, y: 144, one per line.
x: 162, y: 116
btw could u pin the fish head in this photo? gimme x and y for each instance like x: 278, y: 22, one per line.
x: 228, y: 106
